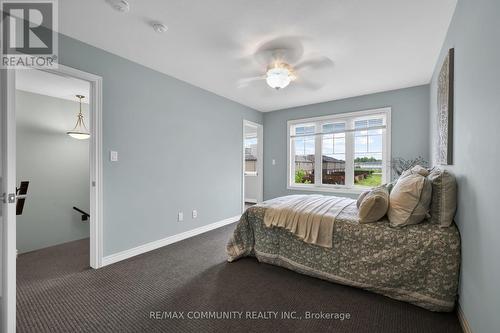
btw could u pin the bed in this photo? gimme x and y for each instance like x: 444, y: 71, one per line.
x: 418, y: 264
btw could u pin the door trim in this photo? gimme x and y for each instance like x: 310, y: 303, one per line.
x: 260, y: 160
x: 95, y: 158
x: 8, y: 175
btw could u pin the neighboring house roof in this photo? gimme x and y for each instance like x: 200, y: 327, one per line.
x: 304, y: 158
x: 331, y: 159
x: 250, y: 157
x: 310, y: 159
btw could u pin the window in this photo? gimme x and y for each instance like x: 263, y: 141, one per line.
x: 333, y: 153
x: 304, y: 147
x: 348, y: 151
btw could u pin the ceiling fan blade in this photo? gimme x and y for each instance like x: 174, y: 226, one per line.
x: 310, y: 84
x: 314, y: 63
x: 246, y: 81
x: 288, y: 49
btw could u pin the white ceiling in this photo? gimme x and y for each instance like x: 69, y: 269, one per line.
x: 43, y: 83
x: 375, y: 45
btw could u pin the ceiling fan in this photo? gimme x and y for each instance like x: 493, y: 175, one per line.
x: 282, y: 61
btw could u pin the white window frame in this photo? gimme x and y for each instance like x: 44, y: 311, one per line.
x: 349, y: 118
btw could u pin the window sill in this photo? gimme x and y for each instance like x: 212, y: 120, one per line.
x: 332, y: 189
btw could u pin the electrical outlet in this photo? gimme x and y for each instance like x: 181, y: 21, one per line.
x: 180, y: 217
x: 195, y: 213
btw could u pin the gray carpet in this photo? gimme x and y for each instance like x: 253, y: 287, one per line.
x: 57, y: 292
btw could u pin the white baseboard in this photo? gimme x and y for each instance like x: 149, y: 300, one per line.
x: 111, y: 259
x: 463, y: 321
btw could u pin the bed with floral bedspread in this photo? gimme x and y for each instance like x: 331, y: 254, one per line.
x: 418, y: 264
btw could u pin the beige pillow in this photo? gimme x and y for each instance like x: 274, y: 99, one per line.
x: 444, y: 197
x: 374, y: 205
x: 361, y: 197
x: 416, y: 169
x: 420, y: 170
x: 409, y: 200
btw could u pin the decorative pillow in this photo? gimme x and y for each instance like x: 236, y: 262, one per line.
x: 361, y: 197
x: 409, y: 200
x: 444, y: 197
x: 374, y: 205
x: 420, y: 170
x: 416, y: 169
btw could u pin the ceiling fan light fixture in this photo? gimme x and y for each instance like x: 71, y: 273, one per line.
x: 79, y: 135
x: 278, y: 77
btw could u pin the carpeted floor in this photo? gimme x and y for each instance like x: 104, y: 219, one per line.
x: 57, y: 292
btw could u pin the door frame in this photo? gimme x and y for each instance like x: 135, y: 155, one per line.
x: 8, y: 127
x: 8, y: 180
x: 95, y: 157
x: 260, y: 160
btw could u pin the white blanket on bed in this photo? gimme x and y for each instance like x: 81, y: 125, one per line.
x: 309, y: 217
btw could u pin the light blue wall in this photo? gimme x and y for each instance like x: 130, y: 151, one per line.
x: 57, y: 167
x: 180, y: 148
x: 410, y: 129
x: 475, y: 35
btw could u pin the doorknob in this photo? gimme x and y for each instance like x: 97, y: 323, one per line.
x: 9, y: 198
x: 12, y: 197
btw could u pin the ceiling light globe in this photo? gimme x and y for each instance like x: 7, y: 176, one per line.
x: 79, y: 135
x: 278, y: 78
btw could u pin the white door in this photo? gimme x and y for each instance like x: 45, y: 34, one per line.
x: 8, y: 199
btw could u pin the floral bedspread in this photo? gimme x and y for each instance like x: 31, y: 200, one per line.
x: 418, y: 264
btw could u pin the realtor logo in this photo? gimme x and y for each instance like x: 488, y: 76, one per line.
x: 29, y: 34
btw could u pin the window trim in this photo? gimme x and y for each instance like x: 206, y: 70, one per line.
x: 347, y: 116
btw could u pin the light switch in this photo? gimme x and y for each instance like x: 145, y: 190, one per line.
x: 180, y: 217
x: 113, y: 156
x: 274, y: 162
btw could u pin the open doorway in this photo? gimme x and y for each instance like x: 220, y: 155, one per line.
x: 58, y: 177
x: 252, y: 164
x: 16, y: 191
x: 52, y: 166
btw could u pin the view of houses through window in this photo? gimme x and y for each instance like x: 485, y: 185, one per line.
x: 304, y: 155
x: 368, y: 152
x: 350, y: 150
x: 333, y: 154
x: 251, y: 154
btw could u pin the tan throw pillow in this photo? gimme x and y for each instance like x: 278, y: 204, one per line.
x: 416, y: 169
x: 420, y: 170
x: 361, y: 197
x: 444, y: 197
x: 409, y: 200
x: 374, y: 205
